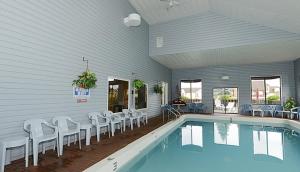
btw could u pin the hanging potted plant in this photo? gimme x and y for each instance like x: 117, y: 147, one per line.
x: 137, y: 84
x: 86, y: 80
x: 158, y: 89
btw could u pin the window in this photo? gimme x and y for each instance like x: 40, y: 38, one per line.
x: 141, y: 97
x: 117, y: 95
x: 266, y: 90
x: 191, y: 91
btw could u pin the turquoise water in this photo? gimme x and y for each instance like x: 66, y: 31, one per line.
x: 222, y: 147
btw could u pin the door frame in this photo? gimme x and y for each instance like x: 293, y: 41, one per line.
x: 128, y: 92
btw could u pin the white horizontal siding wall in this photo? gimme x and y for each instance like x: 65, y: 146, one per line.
x: 41, y: 49
x: 210, y: 31
x: 240, y: 76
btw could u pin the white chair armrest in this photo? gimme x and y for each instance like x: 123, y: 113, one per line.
x: 74, y: 122
x: 51, y: 126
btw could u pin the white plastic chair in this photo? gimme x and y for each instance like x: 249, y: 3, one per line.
x: 115, y: 120
x: 35, y: 129
x: 99, y: 121
x: 64, y: 129
x: 133, y: 116
x: 143, y: 116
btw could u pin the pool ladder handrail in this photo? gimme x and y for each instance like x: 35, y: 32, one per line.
x: 172, y: 111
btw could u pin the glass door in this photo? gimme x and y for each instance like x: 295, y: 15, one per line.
x: 225, y: 100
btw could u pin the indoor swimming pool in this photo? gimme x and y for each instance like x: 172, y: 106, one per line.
x: 221, y: 146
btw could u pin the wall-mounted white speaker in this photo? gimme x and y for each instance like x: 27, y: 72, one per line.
x: 132, y: 20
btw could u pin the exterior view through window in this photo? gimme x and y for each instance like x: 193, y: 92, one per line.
x: 266, y: 90
x: 141, y: 97
x: 191, y: 91
x: 117, y: 95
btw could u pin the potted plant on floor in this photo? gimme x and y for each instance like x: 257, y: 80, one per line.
x: 86, y: 80
x: 289, y: 103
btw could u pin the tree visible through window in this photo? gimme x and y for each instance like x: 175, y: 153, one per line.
x: 191, y: 91
x: 266, y: 90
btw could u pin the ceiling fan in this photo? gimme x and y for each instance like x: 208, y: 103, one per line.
x: 171, y: 3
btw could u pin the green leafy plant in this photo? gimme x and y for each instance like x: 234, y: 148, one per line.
x: 273, y: 99
x: 137, y: 84
x: 86, y: 80
x: 158, y: 89
x: 289, y: 103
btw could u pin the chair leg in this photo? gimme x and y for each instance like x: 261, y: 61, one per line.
x: 3, y: 157
x: 108, y: 131
x: 44, y: 148
x: 75, y: 137
x: 69, y: 140
x: 98, y: 133
x: 61, y: 145
x: 26, y: 153
x: 131, y: 124
x: 112, y: 129
x: 35, y: 150
x: 124, y: 125
x: 79, y: 140
x: 57, y: 147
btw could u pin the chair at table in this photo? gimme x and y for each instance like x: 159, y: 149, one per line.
x: 36, y: 127
x: 115, y: 121
x: 66, y: 127
x: 200, y: 108
x: 278, y: 109
x: 267, y: 109
x: 246, y: 109
x: 295, y: 112
x: 99, y: 121
x: 191, y: 107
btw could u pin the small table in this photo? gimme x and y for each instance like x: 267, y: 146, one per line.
x: 257, y: 110
x: 87, y: 127
x: 11, y: 143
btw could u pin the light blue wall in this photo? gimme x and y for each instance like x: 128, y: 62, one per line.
x: 210, y: 31
x: 239, y: 77
x: 41, y: 49
x: 297, y: 79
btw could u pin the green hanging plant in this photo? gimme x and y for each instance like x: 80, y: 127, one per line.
x: 86, y: 80
x: 289, y: 103
x: 158, y: 89
x: 137, y: 84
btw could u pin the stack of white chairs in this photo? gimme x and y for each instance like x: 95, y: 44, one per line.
x: 66, y: 127
x: 115, y: 121
x: 99, y: 121
x: 35, y: 127
x: 133, y: 117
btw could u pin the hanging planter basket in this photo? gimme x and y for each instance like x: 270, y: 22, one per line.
x: 138, y: 84
x: 157, y: 89
x: 86, y: 80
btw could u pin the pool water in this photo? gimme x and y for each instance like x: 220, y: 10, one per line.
x: 222, y: 147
